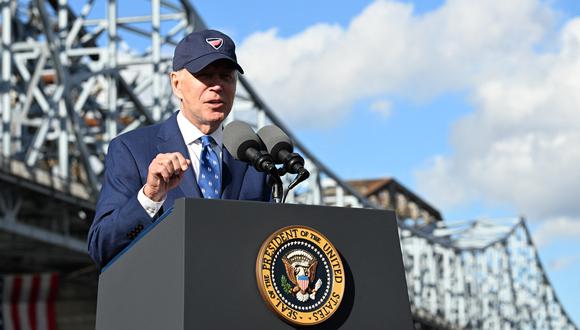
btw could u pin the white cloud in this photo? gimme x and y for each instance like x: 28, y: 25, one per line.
x: 556, y: 229
x: 383, y: 108
x: 522, y: 144
x: 315, y: 76
x: 563, y: 263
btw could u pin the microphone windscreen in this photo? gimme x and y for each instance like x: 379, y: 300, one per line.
x: 239, y: 137
x: 275, y: 141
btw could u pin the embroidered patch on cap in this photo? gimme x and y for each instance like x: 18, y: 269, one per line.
x: 216, y: 43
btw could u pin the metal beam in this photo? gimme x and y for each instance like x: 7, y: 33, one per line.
x: 43, y: 235
x: 6, y: 75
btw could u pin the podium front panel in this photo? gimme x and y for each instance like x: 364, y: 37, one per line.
x: 230, y: 233
x: 196, y: 269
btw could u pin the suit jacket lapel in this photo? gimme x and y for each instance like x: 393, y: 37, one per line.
x: 172, y: 141
x: 233, y: 173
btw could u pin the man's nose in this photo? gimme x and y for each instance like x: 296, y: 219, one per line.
x: 215, y: 83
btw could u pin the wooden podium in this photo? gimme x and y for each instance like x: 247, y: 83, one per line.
x: 194, y: 268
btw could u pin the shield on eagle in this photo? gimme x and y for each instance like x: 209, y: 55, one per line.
x: 303, y: 282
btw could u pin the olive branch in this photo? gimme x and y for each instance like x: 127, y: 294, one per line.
x: 285, y: 285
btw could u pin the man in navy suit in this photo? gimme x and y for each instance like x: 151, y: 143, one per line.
x: 148, y: 168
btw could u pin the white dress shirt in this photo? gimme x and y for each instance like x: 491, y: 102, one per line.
x: 191, y: 136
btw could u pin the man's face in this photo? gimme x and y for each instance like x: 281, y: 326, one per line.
x: 207, y: 96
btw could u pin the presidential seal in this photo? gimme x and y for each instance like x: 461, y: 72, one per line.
x: 300, y: 275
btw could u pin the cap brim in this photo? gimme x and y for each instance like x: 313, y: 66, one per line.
x: 199, y: 63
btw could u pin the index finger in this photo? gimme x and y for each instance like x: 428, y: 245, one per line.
x: 183, y: 162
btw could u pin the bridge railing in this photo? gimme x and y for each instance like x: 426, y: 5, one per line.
x: 480, y: 275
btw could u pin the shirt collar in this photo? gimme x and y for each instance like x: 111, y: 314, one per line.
x: 192, y: 134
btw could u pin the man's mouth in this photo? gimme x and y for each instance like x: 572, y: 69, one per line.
x: 215, y: 104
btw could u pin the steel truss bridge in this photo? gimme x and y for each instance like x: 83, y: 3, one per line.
x: 76, y: 74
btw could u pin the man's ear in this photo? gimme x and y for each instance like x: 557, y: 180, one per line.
x: 175, y: 78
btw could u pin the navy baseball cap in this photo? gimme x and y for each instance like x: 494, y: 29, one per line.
x: 201, y: 48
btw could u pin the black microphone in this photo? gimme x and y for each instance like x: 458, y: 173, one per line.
x: 281, y: 148
x: 245, y: 145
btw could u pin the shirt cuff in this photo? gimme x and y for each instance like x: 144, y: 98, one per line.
x: 150, y: 206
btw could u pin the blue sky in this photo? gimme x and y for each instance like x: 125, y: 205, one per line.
x: 493, y: 104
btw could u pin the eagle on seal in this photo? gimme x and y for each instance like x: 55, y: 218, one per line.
x: 301, y: 270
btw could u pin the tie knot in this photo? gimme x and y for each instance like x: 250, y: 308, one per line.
x: 206, y: 140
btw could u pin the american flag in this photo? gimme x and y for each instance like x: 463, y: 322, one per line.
x: 27, y: 301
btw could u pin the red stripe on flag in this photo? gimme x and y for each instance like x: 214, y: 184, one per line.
x: 32, y: 301
x: 50, y: 302
x: 14, y: 299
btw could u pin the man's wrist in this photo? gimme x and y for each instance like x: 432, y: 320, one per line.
x: 154, y: 197
x: 150, y: 206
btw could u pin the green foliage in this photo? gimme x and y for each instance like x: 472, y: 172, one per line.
x: 285, y: 285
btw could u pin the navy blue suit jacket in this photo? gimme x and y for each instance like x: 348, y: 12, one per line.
x: 119, y: 215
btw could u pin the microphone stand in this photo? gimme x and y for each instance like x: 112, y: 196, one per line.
x: 295, y: 165
x: 275, y: 182
x: 302, y: 175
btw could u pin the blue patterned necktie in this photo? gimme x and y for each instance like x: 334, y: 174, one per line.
x: 209, y: 170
